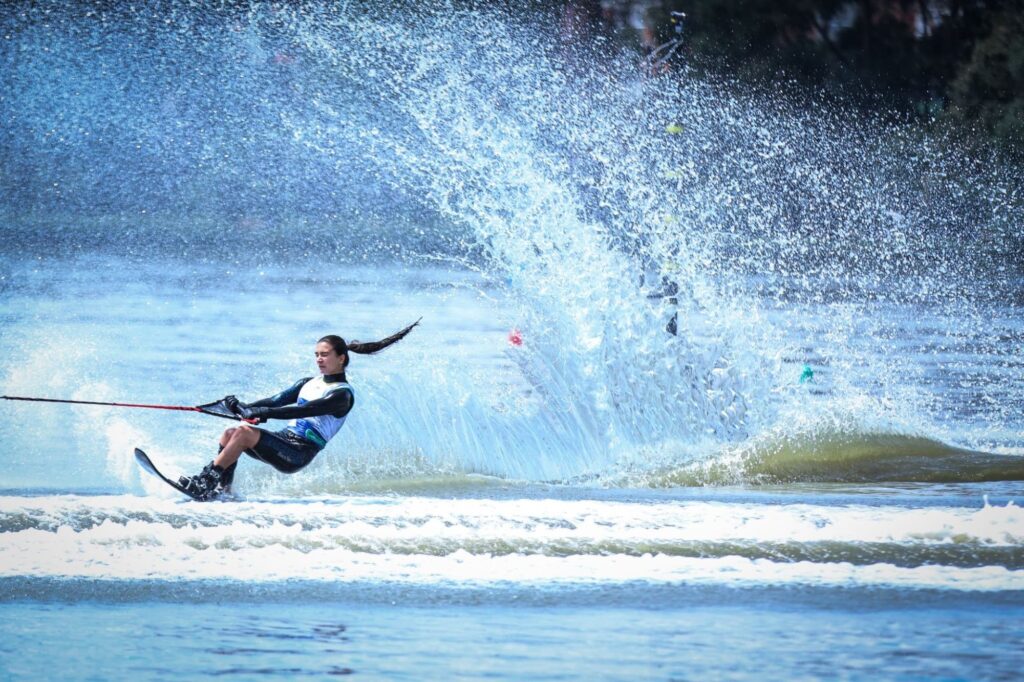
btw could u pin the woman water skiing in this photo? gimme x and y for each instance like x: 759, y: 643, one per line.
x: 317, y: 408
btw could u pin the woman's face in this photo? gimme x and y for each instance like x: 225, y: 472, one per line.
x: 328, y: 361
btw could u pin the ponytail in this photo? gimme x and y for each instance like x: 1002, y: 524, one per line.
x: 365, y: 347
x: 371, y: 347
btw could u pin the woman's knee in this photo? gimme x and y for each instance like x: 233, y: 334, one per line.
x: 249, y: 435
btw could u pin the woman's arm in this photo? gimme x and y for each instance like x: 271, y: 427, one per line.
x: 337, y: 403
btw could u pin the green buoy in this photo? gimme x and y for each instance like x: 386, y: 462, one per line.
x: 807, y: 374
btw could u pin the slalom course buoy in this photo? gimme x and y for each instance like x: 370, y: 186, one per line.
x: 807, y: 375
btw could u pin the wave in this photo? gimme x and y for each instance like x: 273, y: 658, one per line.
x: 105, y: 536
x: 779, y: 458
x: 467, y: 572
x: 837, y: 458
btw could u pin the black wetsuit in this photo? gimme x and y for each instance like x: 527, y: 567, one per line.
x: 314, y: 422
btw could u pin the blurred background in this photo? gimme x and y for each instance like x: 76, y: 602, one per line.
x: 950, y: 64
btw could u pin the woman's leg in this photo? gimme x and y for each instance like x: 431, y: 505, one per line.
x: 228, y: 477
x: 234, y: 442
x: 219, y: 474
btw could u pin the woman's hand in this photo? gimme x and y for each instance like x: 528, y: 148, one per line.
x: 233, y: 404
x: 252, y: 414
x: 255, y: 415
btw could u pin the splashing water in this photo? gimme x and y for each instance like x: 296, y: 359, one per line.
x: 601, y: 206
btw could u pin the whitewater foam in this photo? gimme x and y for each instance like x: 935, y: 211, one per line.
x: 491, y: 542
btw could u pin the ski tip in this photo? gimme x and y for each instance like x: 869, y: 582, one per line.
x: 146, y: 463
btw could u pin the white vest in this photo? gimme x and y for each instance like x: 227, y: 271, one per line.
x: 320, y: 429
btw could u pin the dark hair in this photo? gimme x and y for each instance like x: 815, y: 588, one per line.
x: 364, y: 347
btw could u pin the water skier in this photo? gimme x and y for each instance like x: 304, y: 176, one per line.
x: 317, y: 408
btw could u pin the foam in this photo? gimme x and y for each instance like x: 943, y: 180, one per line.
x: 418, y: 539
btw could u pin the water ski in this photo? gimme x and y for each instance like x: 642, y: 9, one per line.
x: 147, y: 464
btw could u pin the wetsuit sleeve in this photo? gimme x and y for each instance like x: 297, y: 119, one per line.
x: 286, y: 397
x: 337, y: 403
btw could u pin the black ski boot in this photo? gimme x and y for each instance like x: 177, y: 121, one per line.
x: 226, y: 479
x: 205, y: 485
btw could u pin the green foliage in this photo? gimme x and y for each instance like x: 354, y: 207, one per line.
x: 988, y: 90
x: 960, y: 62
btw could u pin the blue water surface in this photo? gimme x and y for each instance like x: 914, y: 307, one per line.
x: 733, y: 640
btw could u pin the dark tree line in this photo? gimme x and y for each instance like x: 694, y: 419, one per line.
x: 953, y: 63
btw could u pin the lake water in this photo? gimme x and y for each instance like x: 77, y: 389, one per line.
x: 389, y: 559
x: 817, y: 475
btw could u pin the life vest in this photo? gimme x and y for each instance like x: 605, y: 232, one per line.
x: 319, y: 429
